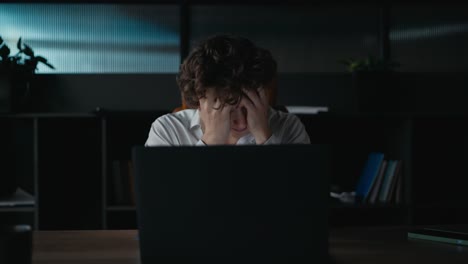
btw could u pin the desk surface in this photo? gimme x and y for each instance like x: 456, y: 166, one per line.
x: 347, y: 245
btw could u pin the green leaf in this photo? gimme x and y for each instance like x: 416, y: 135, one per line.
x: 44, y: 61
x: 41, y: 59
x: 4, y: 52
x: 34, y: 65
x: 1, y: 40
x: 18, y: 45
x: 355, y: 65
x: 50, y: 65
x: 28, y: 51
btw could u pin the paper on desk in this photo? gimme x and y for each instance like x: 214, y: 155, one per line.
x: 344, y: 197
x: 19, y: 198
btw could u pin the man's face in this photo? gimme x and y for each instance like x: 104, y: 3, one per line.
x: 239, y: 126
x: 237, y: 115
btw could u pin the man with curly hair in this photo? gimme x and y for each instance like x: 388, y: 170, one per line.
x: 228, y: 85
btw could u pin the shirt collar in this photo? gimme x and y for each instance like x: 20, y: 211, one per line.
x: 195, y: 121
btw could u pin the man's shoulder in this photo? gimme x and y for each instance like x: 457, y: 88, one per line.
x: 183, y: 117
x: 281, y: 116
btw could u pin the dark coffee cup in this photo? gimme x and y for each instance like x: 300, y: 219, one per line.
x: 16, y: 244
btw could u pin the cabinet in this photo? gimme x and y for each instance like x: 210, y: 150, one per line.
x: 16, y: 163
x: 352, y: 138
x: 434, y: 152
x: 67, y: 162
x: 63, y: 160
x: 439, y: 169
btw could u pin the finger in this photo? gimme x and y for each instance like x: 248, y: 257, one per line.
x: 217, y: 104
x: 253, y: 97
x: 226, y: 110
x: 263, y: 96
x: 202, y: 103
x: 211, y: 96
x: 247, y: 103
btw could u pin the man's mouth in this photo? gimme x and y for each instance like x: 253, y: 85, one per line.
x: 240, y: 129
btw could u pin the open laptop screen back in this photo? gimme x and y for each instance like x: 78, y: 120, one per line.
x: 232, y: 201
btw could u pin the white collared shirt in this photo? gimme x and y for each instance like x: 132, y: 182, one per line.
x: 183, y: 128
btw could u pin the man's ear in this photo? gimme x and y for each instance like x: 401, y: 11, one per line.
x: 271, y: 90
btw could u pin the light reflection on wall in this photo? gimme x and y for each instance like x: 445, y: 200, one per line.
x: 430, y: 37
x: 429, y: 32
x: 96, y: 38
x: 306, y: 39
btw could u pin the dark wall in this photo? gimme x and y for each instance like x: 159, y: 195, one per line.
x: 120, y: 92
x: 433, y: 92
x: 150, y: 92
x: 411, y: 93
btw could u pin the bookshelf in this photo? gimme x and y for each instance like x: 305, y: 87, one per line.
x: 19, y: 208
x: 120, y: 132
x: 65, y: 162
x: 353, y: 137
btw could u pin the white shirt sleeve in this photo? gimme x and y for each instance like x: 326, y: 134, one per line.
x: 158, y: 135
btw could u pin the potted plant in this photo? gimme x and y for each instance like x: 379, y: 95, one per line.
x: 16, y: 74
x: 369, y: 64
x: 375, y: 83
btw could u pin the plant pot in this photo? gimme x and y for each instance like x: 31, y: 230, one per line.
x: 8, y: 176
x: 377, y: 92
x: 15, y: 93
x: 5, y: 93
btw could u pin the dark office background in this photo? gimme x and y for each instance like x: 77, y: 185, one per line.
x: 122, y: 56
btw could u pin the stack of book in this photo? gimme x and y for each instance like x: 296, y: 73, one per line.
x: 381, y: 181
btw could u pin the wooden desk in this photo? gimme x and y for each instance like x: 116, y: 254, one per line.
x: 86, y: 247
x: 347, y: 245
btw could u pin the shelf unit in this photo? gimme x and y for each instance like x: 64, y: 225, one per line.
x: 65, y: 161
x: 19, y: 208
x: 434, y: 151
x: 352, y: 137
x: 120, y: 132
x: 16, y: 158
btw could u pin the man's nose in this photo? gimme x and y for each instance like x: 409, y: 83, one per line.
x: 238, y: 117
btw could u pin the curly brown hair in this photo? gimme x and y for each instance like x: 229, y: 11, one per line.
x: 226, y: 63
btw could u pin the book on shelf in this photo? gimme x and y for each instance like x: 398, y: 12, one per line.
x: 368, y: 175
x: 377, y: 183
x: 396, y: 184
x: 396, y: 190
x: 388, y: 178
x: 381, y: 181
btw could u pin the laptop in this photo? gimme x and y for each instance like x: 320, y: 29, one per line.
x: 451, y: 234
x: 232, y: 204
